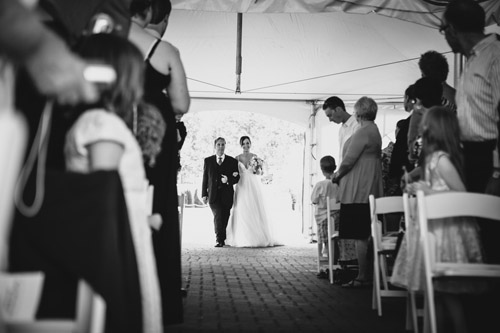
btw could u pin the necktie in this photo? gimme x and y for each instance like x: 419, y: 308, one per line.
x: 219, y: 160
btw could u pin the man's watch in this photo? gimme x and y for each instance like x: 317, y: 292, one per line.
x: 496, y: 173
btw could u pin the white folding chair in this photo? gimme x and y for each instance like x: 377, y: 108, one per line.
x: 412, y: 312
x: 451, y: 204
x: 383, y: 246
x: 89, y: 318
x: 331, y: 205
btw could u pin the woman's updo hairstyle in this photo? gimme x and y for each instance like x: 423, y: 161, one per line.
x: 243, y: 139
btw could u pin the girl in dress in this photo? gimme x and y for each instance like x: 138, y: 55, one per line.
x: 457, y: 239
x: 101, y: 139
x: 249, y: 225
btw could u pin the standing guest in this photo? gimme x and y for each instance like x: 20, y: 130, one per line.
x: 359, y: 175
x: 428, y: 92
x: 433, y: 64
x: 399, y: 156
x: 478, y: 95
x: 166, y: 88
x: 478, y: 90
x: 102, y: 139
x: 220, y: 173
x: 335, y: 111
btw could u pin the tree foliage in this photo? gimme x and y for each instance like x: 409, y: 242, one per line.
x: 278, y: 142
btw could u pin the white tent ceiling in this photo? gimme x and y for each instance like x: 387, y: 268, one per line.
x: 298, y: 51
x: 307, y: 50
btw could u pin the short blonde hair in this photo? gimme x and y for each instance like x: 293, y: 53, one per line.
x: 366, y: 108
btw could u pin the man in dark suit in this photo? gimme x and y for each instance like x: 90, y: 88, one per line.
x: 220, y: 173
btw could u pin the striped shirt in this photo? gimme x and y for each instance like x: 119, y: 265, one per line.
x: 478, y: 92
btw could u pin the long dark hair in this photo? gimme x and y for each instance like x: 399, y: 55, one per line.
x: 121, y: 96
x: 440, y: 131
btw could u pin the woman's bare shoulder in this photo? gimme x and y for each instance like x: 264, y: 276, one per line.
x: 165, y: 57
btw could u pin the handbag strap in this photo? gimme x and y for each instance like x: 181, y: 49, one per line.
x: 38, y: 150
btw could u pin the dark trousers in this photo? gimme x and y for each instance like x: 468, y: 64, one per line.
x: 478, y: 158
x: 478, y: 169
x: 221, y: 211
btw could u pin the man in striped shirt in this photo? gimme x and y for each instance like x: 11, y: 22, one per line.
x: 478, y: 91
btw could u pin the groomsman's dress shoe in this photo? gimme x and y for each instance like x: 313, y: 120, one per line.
x: 219, y: 245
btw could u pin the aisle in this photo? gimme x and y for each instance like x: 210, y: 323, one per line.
x: 268, y: 289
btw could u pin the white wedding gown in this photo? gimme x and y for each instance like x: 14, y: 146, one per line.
x: 249, y: 224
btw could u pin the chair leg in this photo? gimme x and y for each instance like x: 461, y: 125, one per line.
x: 383, y: 268
x: 411, y: 313
x: 319, y: 257
x: 331, y: 254
x: 377, y: 302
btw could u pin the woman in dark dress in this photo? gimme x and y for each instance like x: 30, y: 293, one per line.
x: 164, y: 72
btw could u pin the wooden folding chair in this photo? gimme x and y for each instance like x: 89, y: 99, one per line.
x: 331, y: 205
x: 382, y: 247
x: 451, y: 204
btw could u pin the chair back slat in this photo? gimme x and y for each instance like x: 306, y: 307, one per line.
x: 453, y: 204
x: 444, y: 205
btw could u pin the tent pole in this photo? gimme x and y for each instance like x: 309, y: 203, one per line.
x: 238, y: 52
x: 310, y: 168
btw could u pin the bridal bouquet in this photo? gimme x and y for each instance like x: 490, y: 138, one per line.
x: 256, y: 163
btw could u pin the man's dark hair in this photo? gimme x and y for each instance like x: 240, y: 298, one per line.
x: 410, y: 92
x: 333, y: 102
x: 139, y: 7
x: 465, y: 16
x: 434, y: 64
x: 429, y: 91
x: 161, y: 8
x: 219, y: 138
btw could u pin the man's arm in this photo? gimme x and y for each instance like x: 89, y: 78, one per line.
x: 204, y: 185
x: 53, y: 68
x: 234, y: 177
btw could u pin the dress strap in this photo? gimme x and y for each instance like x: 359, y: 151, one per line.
x: 152, y: 49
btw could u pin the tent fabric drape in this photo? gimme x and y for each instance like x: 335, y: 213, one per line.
x: 423, y: 12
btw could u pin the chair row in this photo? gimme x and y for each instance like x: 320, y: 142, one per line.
x: 428, y: 209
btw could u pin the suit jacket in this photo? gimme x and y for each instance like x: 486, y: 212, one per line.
x: 212, y: 186
x: 399, y: 156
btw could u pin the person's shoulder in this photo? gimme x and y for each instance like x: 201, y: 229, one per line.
x: 231, y: 158
x: 209, y: 157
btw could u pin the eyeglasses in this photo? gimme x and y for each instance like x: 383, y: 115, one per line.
x: 443, y: 28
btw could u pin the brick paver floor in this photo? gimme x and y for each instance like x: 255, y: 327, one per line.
x: 269, y: 289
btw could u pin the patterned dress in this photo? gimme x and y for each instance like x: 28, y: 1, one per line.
x: 456, y: 240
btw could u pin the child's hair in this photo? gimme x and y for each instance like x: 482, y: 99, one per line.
x: 127, y: 61
x: 327, y: 164
x: 150, y: 131
x: 440, y: 131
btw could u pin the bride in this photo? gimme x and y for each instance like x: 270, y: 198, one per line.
x: 249, y: 225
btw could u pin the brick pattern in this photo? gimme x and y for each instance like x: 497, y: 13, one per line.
x: 273, y: 290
